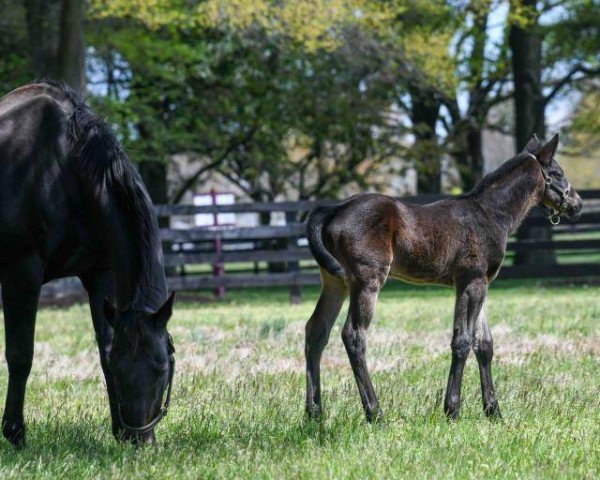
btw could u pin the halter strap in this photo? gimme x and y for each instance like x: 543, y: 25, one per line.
x: 550, y: 182
x: 164, y: 409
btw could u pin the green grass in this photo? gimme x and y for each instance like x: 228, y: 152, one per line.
x: 239, y: 394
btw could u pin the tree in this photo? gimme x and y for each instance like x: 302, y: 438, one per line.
x: 526, y: 39
x: 15, y: 67
x: 273, y: 117
x: 56, y: 43
x: 387, y: 76
x: 526, y: 49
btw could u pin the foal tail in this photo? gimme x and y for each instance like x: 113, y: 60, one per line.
x: 317, y: 219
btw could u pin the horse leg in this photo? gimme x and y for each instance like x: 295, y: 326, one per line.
x: 20, y: 294
x: 363, y: 298
x: 318, y: 328
x: 97, y: 285
x: 483, y: 346
x: 469, y: 300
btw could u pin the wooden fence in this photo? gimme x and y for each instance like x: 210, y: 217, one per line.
x: 278, y: 255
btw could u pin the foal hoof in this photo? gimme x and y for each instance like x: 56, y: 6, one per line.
x: 314, y: 412
x: 492, y: 411
x: 15, y: 434
x: 375, y: 415
x: 452, y: 412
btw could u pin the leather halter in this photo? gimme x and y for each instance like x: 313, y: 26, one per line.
x: 164, y: 409
x: 551, y: 183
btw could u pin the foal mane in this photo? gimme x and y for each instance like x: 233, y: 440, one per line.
x: 106, y: 169
x: 500, y: 174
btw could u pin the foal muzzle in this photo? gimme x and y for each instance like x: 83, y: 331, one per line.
x: 555, y: 211
x: 563, y: 206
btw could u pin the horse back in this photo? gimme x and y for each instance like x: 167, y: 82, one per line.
x: 34, y: 200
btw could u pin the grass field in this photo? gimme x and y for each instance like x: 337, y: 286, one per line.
x: 239, y: 394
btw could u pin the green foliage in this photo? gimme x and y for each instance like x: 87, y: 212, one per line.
x: 15, y: 68
x: 303, y: 98
x: 265, y: 112
x: 582, y: 142
x: 575, y: 34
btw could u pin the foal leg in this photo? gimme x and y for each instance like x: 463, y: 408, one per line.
x: 318, y: 328
x: 97, y: 285
x: 483, y: 346
x: 20, y: 294
x: 363, y: 297
x: 469, y: 300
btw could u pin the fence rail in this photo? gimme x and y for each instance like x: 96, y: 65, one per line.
x: 278, y: 255
x: 283, y: 247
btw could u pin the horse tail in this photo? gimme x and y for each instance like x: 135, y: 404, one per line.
x: 317, y: 221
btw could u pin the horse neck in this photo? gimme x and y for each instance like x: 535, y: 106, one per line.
x: 509, y: 200
x: 138, y: 269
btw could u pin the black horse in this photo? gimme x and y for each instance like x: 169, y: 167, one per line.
x: 72, y: 204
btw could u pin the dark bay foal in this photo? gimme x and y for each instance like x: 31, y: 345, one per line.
x: 458, y: 242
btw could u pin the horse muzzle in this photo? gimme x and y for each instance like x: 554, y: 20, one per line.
x: 139, y: 440
x: 575, y: 209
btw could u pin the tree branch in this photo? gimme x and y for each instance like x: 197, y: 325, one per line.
x: 191, y: 181
x: 568, y: 78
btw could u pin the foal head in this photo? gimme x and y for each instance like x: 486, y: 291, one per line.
x: 559, y: 198
x: 142, y: 364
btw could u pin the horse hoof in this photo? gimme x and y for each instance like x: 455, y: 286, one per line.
x: 15, y: 434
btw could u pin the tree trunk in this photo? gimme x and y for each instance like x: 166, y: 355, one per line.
x: 526, y: 48
x: 56, y: 43
x: 470, y: 154
x: 71, y: 47
x: 424, y: 114
x: 472, y: 170
x: 471, y: 157
x: 154, y: 175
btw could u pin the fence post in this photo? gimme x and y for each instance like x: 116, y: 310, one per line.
x: 293, y: 267
x: 218, y: 269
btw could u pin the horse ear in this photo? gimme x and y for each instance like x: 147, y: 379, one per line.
x: 110, y: 312
x: 161, y: 317
x: 532, y: 145
x: 545, y: 154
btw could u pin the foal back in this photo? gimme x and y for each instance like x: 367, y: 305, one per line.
x: 376, y: 235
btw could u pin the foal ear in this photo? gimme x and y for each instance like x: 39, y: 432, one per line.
x: 532, y: 145
x: 161, y: 317
x: 110, y: 312
x: 545, y: 154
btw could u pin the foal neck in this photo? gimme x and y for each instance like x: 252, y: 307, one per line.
x: 509, y: 198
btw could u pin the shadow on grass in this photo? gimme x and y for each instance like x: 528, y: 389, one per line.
x: 280, y: 295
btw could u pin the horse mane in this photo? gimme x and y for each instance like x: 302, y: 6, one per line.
x: 497, y: 175
x: 106, y: 169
